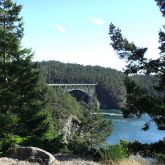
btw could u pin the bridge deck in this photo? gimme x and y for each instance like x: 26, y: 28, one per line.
x: 71, y: 84
x: 89, y: 89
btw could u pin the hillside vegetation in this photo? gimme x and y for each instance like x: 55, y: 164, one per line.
x: 110, y: 90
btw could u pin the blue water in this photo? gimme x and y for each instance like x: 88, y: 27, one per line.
x: 130, y: 129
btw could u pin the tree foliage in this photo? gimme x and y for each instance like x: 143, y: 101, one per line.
x: 139, y: 101
x: 110, y: 90
x: 161, y: 5
x: 80, y: 130
x: 23, y: 98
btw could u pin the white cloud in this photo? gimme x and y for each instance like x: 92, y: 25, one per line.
x: 61, y: 28
x: 97, y: 21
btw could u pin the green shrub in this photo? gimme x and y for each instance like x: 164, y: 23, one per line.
x: 114, y: 153
x: 160, y: 158
x: 147, y: 150
x: 9, y: 141
x: 65, y: 150
x: 78, y: 146
x: 154, y: 150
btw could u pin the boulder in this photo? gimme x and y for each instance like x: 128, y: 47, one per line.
x: 33, y: 154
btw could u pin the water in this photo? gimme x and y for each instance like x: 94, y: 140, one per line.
x: 130, y: 129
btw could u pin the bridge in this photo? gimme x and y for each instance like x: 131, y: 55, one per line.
x: 88, y: 89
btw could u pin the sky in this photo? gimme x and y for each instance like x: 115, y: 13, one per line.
x: 76, y: 31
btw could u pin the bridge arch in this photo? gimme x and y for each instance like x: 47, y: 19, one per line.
x: 81, y: 95
x: 81, y: 90
x: 88, y: 89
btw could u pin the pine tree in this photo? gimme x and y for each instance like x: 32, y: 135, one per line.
x: 140, y: 101
x: 24, y: 110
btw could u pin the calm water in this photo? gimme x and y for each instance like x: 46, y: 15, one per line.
x: 130, y: 129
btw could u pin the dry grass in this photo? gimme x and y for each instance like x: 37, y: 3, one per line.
x: 133, y: 161
x: 126, y: 162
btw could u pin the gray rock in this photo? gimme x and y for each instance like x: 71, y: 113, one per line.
x: 10, y: 161
x: 70, y: 127
x: 33, y: 154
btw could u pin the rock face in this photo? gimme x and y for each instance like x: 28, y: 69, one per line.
x: 70, y: 127
x: 33, y: 154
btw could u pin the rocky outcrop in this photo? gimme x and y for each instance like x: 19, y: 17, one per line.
x: 74, y: 160
x: 65, y: 161
x: 70, y: 127
x: 10, y: 161
x: 33, y: 154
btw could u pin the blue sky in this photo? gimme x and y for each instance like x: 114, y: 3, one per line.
x: 76, y: 31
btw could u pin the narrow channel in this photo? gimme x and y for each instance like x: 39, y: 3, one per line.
x: 130, y: 129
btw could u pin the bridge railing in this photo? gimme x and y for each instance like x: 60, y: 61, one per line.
x: 72, y: 84
x: 89, y: 89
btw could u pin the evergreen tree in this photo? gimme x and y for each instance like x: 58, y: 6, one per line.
x: 23, y: 98
x: 139, y: 101
x: 161, y: 4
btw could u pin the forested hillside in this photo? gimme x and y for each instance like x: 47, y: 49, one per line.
x: 110, y: 90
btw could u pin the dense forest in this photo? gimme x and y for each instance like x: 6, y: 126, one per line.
x: 110, y: 90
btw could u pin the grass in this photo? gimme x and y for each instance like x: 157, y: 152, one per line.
x: 132, y: 161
